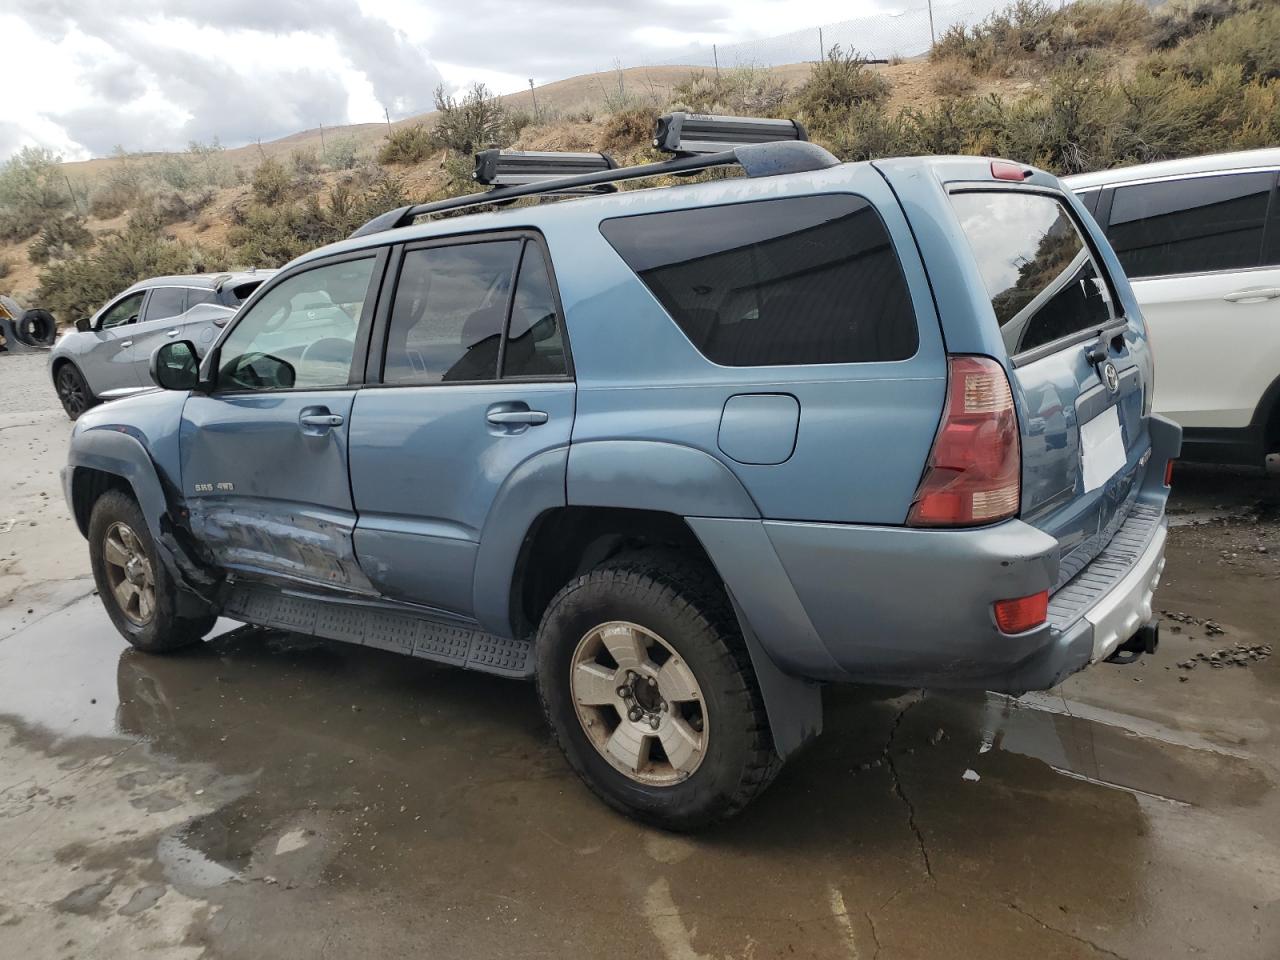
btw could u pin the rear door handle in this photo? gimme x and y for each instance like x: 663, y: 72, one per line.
x: 1253, y: 295
x: 126, y: 343
x: 507, y: 418
x: 172, y: 333
x: 321, y: 420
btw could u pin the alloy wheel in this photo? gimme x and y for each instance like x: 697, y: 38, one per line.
x: 129, y: 574
x: 639, y: 703
x: 71, y: 392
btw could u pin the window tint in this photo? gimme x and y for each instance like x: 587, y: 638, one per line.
x: 200, y: 295
x: 803, y: 280
x: 165, y: 302
x: 1042, y: 280
x: 449, y: 310
x: 1090, y: 199
x: 535, y: 342
x: 239, y: 294
x: 1190, y: 226
x: 123, y: 312
x: 301, y: 333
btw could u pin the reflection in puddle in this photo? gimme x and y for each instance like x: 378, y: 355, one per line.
x: 1171, y: 768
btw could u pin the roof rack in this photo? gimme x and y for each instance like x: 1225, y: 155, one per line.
x: 542, y: 173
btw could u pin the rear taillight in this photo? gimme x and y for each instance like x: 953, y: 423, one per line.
x: 1022, y: 613
x: 974, y: 473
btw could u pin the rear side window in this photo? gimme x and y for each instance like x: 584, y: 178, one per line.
x: 795, y: 281
x: 165, y: 302
x: 197, y: 295
x: 449, y: 311
x: 1039, y: 274
x: 1194, y: 225
x: 535, y: 342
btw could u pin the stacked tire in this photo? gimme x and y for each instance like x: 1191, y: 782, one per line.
x: 30, y: 328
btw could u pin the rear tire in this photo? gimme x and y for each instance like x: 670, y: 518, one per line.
x: 689, y: 743
x: 73, y: 390
x: 135, y: 587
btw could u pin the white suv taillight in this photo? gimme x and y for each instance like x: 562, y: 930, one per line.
x: 974, y: 473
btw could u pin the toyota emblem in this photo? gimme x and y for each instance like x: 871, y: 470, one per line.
x: 1111, y: 377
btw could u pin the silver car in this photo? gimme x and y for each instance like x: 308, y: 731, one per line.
x: 107, y: 355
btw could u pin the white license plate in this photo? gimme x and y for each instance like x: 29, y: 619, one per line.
x: 1102, y: 453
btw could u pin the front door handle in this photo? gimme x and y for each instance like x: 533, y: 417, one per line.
x: 321, y: 420
x: 509, y: 418
x: 1253, y: 295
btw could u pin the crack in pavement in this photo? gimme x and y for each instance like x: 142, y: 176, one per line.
x: 897, y: 784
x: 875, y: 936
x: 1064, y: 933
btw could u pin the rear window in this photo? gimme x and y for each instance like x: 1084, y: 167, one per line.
x: 240, y: 293
x: 1040, y: 276
x: 801, y: 280
x: 1193, y: 225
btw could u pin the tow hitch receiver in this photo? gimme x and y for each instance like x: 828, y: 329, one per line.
x: 1146, y: 640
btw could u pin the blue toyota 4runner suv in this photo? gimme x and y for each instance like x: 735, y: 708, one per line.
x: 680, y: 454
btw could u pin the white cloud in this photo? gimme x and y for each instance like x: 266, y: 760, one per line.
x: 154, y: 74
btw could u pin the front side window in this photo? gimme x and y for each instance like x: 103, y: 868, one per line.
x: 165, y: 302
x: 795, y: 281
x: 1040, y: 276
x: 1194, y: 225
x: 449, y: 311
x: 301, y: 333
x: 126, y: 311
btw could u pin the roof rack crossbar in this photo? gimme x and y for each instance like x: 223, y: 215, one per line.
x: 756, y: 160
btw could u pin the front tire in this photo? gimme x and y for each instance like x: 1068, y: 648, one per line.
x: 648, y: 687
x: 73, y: 390
x: 135, y: 587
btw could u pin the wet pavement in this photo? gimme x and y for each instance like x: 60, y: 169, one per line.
x: 267, y: 794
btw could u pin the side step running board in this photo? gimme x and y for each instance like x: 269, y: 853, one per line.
x: 369, y: 626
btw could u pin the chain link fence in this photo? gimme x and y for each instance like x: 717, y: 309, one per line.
x: 906, y: 31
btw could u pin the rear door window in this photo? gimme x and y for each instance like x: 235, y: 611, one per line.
x: 796, y: 281
x: 1040, y: 275
x: 1191, y: 225
x: 165, y: 302
x: 449, y: 311
x: 535, y: 338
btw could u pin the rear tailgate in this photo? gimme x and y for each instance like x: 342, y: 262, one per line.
x: 1080, y: 361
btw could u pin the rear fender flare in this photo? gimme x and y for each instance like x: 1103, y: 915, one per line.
x: 651, y: 475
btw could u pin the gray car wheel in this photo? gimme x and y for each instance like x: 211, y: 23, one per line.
x: 73, y: 390
x: 648, y: 686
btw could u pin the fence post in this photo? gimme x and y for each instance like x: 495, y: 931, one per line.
x: 822, y: 49
x: 537, y: 118
x: 715, y: 57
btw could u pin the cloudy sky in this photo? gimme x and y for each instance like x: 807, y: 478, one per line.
x: 81, y: 76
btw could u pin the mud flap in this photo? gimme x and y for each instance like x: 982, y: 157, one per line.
x: 794, y: 706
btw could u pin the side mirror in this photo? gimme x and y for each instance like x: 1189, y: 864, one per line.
x: 84, y: 325
x: 175, y: 366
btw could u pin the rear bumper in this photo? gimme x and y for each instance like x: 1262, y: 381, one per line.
x: 912, y: 607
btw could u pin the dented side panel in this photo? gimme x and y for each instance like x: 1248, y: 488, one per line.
x: 268, y: 494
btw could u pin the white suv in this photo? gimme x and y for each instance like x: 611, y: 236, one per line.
x: 1200, y: 240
